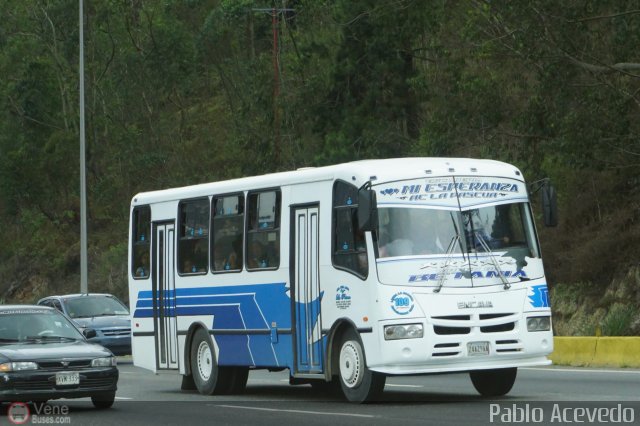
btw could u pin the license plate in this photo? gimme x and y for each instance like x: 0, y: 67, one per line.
x: 477, y: 348
x: 67, y: 378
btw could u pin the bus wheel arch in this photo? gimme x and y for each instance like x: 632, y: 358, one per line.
x: 208, y: 376
x: 334, y: 339
x: 187, y: 346
x: 348, y: 362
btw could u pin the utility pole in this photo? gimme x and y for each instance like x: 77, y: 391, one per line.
x: 84, y: 288
x: 275, y: 24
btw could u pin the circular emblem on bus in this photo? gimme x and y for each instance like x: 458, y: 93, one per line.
x: 402, y: 303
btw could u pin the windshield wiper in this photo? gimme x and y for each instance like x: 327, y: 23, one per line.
x: 3, y: 340
x: 442, y: 276
x: 486, y: 248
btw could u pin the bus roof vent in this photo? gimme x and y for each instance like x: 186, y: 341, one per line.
x: 474, y: 170
x: 428, y: 172
x: 451, y: 170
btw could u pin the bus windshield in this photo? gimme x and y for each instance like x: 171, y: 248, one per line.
x: 414, y: 231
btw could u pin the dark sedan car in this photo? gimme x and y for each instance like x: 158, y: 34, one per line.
x: 44, y: 356
x: 104, y: 313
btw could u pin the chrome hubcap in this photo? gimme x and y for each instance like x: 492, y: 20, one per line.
x: 351, y: 364
x: 205, y: 361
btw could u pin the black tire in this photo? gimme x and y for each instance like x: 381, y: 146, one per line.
x: 358, y: 383
x: 188, y: 383
x: 495, y: 382
x: 208, y: 377
x: 103, y: 400
x: 238, y: 380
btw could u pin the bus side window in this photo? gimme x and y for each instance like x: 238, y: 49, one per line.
x: 193, y: 243
x: 141, y: 243
x: 228, y: 233
x: 349, y: 245
x: 263, y: 233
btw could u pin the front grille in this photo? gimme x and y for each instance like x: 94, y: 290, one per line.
x: 49, y: 384
x: 33, y: 385
x: 60, y: 365
x: 506, y: 346
x: 446, y: 349
x: 454, y: 317
x: 498, y: 328
x: 492, y: 316
x: 445, y: 331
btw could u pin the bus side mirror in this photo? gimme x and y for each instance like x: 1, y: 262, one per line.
x: 367, y: 210
x: 549, y: 205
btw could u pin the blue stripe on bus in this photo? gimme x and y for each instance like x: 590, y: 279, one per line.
x: 242, y: 307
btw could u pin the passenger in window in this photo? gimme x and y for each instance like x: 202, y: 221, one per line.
x: 225, y: 259
x: 143, y: 265
x: 257, y: 256
x: 273, y: 253
x: 188, y: 267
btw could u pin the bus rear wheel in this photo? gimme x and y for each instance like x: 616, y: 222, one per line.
x: 208, y: 377
x: 359, y: 384
x: 495, y: 382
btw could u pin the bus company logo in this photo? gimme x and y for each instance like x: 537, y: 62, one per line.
x: 343, y: 299
x: 540, y: 296
x: 402, y: 303
x: 18, y: 413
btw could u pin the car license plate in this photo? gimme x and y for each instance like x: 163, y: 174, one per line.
x: 477, y: 348
x: 67, y: 378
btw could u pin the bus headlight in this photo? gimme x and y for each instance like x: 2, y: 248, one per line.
x: 403, y: 331
x: 538, y: 324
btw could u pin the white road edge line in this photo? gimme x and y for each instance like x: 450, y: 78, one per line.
x: 122, y: 397
x: 403, y: 386
x: 297, y: 411
x: 577, y: 370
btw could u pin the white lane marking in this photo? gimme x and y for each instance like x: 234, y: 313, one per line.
x: 127, y: 372
x: 403, y: 386
x: 319, y: 413
x: 122, y: 397
x: 578, y: 370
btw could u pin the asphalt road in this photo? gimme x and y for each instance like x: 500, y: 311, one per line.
x: 551, y: 395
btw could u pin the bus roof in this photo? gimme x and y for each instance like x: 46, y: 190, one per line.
x: 357, y: 172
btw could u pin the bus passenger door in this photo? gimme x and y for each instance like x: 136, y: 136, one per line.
x: 306, y: 289
x: 164, y: 297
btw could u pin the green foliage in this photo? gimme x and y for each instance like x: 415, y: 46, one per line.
x: 181, y: 92
x: 618, y: 320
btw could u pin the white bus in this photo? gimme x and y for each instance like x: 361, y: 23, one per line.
x: 341, y: 274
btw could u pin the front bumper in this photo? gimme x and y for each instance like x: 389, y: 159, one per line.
x: 39, y: 385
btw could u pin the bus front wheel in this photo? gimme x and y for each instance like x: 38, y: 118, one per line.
x: 359, y: 384
x: 495, y: 382
x: 208, y: 377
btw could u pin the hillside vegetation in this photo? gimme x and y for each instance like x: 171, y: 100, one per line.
x: 187, y: 91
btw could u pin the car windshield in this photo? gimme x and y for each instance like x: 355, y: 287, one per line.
x: 425, y: 231
x: 25, y: 325
x: 95, y: 306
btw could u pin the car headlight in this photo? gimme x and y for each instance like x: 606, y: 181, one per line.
x: 403, y: 331
x: 538, y: 324
x: 18, y: 366
x: 109, y: 361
